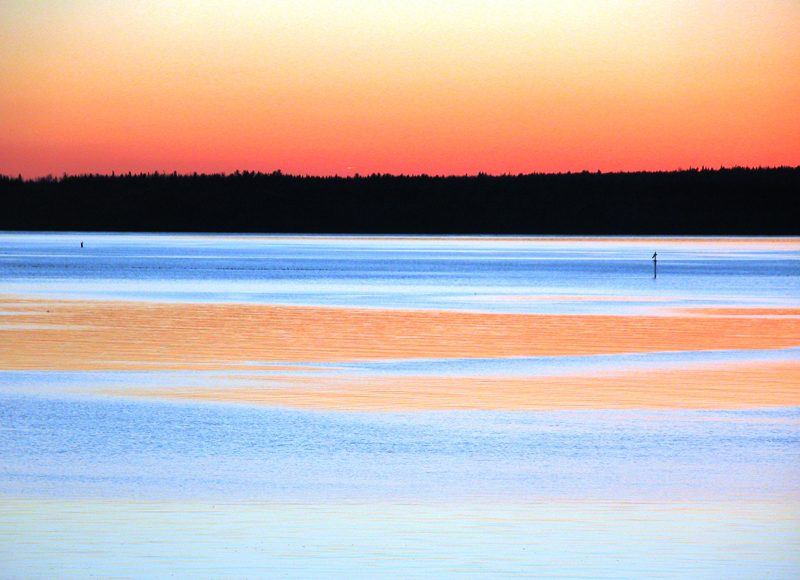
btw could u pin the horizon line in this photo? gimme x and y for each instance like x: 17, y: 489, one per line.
x: 357, y: 175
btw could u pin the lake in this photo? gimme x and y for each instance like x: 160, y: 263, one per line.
x: 197, y: 406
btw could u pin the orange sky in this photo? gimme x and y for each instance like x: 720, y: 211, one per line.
x: 397, y: 86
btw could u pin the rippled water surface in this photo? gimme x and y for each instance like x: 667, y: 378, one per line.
x: 333, y: 407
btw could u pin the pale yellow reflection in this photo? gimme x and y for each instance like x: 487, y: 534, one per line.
x: 741, y: 385
x: 734, y: 311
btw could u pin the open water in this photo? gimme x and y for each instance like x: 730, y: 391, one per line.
x: 398, y: 407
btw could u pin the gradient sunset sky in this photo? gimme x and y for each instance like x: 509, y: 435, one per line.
x: 397, y: 86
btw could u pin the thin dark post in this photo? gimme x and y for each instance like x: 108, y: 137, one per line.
x: 655, y: 265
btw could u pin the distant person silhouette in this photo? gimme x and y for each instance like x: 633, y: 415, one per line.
x: 655, y: 265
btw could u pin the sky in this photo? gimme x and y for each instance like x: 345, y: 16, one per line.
x: 440, y: 87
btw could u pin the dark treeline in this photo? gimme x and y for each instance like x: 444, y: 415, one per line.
x: 734, y: 201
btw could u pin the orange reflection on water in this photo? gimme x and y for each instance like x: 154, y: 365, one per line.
x: 741, y: 385
x: 71, y: 335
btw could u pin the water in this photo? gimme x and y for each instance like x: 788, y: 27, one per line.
x: 336, y: 407
x: 487, y: 275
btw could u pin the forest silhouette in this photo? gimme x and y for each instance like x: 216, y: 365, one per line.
x: 736, y: 201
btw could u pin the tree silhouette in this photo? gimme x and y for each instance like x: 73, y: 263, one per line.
x: 736, y: 201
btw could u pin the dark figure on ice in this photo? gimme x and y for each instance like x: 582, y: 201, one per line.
x: 655, y: 265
